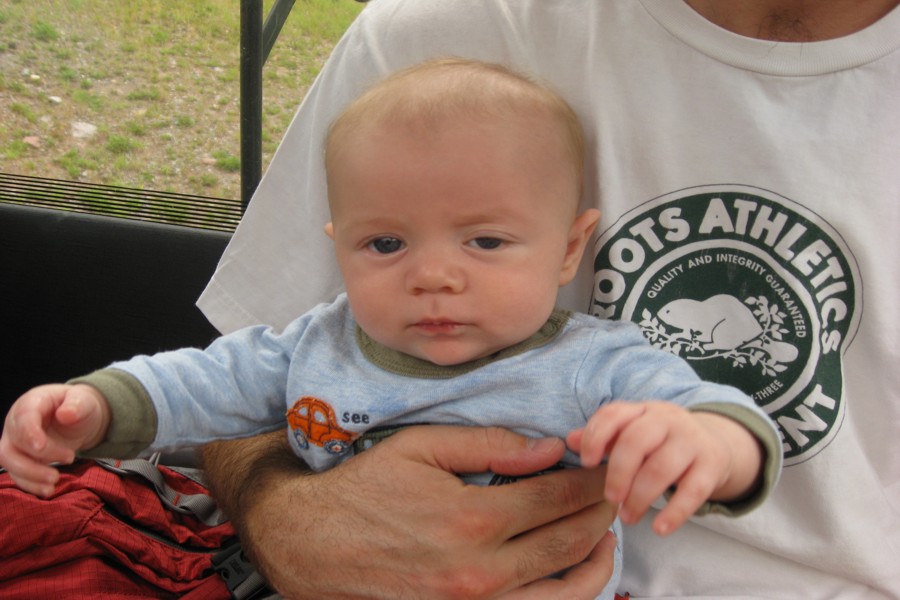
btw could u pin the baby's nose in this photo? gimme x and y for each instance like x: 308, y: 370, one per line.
x: 435, y: 273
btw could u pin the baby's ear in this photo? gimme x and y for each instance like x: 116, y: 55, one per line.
x: 579, y: 234
x: 329, y: 230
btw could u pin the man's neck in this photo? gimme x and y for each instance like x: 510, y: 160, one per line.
x: 793, y: 20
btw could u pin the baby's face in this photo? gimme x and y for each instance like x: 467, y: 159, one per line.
x: 453, y: 242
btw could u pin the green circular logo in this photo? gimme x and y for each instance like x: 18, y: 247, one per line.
x: 751, y: 289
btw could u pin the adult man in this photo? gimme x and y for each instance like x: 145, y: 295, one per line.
x: 733, y: 144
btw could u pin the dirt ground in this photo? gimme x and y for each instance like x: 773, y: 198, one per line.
x: 145, y: 94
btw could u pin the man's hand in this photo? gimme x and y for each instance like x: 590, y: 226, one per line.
x: 395, y: 522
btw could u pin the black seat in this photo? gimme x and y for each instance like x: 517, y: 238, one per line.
x: 78, y: 291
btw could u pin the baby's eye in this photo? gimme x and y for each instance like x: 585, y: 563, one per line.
x: 486, y: 243
x: 386, y: 245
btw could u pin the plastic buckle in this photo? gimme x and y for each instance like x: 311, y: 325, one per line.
x: 241, y: 578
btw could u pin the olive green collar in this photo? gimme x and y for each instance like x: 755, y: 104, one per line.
x: 410, y: 366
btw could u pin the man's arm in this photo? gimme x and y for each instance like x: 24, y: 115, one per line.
x: 395, y: 522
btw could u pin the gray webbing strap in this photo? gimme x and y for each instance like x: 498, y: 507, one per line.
x: 202, y: 506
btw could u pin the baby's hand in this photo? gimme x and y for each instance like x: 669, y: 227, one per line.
x: 48, y: 424
x: 653, y: 446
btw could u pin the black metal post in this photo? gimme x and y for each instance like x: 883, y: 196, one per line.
x: 278, y: 14
x: 257, y: 40
x: 251, y: 97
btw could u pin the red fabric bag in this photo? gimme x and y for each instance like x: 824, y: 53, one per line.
x: 106, y: 534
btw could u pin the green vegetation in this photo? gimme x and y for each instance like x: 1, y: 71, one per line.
x: 151, y: 94
x: 15, y: 149
x: 75, y: 164
x: 146, y: 93
x: 68, y: 73
x: 44, y: 32
x: 92, y: 101
x: 24, y: 111
x: 119, y: 144
x: 227, y: 162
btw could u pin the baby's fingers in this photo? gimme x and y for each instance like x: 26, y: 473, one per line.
x: 22, y: 453
x: 40, y: 481
x: 58, y: 420
x: 28, y: 418
x: 691, y: 492
x: 79, y: 405
x: 30, y: 475
x: 602, y: 429
x: 29, y: 423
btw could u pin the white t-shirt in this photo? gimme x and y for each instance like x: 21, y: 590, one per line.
x: 750, y: 193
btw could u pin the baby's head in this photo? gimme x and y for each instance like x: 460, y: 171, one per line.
x: 454, y: 189
x: 462, y: 94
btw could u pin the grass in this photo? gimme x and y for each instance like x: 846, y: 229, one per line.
x: 120, y: 144
x: 74, y: 164
x: 158, y: 79
x: 227, y: 162
x: 44, y: 32
x: 24, y: 111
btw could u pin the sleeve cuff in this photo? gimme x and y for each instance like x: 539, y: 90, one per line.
x: 767, y: 435
x: 134, y: 421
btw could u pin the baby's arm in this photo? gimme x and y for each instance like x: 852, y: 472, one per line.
x: 49, y: 424
x: 654, y: 446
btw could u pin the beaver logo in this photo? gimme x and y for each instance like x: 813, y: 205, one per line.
x: 751, y: 288
x: 727, y: 326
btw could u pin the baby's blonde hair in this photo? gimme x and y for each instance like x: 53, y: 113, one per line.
x: 456, y: 89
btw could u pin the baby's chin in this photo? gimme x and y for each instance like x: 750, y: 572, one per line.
x: 449, y: 356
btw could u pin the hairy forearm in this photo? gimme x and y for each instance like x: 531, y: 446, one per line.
x: 241, y: 472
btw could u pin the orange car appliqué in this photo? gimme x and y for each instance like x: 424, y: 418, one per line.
x: 313, y: 421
